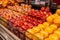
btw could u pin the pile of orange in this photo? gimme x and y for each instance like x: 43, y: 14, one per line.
x: 49, y: 30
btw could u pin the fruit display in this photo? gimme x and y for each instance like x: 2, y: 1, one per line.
x: 5, y: 3
x: 23, y: 8
x: 28, y: 23
x: 17, y: 15
x: 40, y: 14
x: 49, y: 30
x: 22, y: 18
x: 55, y: 35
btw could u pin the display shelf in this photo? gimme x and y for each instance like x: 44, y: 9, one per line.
x: 7, y: 34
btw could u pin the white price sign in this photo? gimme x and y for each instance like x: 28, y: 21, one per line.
x: 42, y: 2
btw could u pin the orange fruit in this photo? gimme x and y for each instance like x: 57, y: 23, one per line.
x: 58, y: 11
x: 31, y: 31
x: 57, y: 21
x: 46, y: 24
x: 53, y: 26
x: 44, y: 33
x: 47, y: 39
x: 48, y: 30
x: 29, y: 35
x: 37, y: 29
x: 49, y: 19
x: 54, y: 16
x: 39, y: 36
x: 57, y: 33
x: 41, y: 26
x: 4, y: 3
x: 53, y: 37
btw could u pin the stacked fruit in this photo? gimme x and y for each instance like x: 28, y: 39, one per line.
x: 55, y: 35
x: 26, y: 9
x: 23, y: 9
x: 36, y: 14
x: 21, y: 20
x: 40, y: 14
x: 5, y: 3
x: 47, y: 29
x: 41, y: 31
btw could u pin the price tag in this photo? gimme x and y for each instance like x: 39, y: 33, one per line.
x: 42, y: 2
x: 37, y: 2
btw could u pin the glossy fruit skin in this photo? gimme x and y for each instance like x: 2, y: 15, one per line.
x: 58, y: 11
x: 53, y: 37
x: 49, y: 19
x: 46, y: 24
x: 57, y: 20
x: 53, y: 27
x: 57, y: 33
x: 48, y: 30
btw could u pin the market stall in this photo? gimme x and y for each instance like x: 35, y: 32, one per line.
x: 25, y: 21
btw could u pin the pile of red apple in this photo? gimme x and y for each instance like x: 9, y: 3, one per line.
x: 40, y: 14
x: 33, y: 17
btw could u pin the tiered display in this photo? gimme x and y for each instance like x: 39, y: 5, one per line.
x: 5, y: 3
x: 24, y: 17
x: 33, y: 17
x: 33, y: 24
x: 49, y: 30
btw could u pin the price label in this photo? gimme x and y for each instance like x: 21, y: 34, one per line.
x: 37, y: 2
x: 42, y: 2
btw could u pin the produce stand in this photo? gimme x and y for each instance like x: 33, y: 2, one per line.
x: 20, y: 21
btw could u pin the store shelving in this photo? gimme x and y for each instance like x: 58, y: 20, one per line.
x: 4, y: 32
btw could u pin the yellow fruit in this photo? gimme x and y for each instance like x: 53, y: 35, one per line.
x: 35, y: 38
x: 53, y: 37
x: 29, y: 35
x: 58, y: 29
x: 39, y: 36
x: 46, y: 24
x: 47, y: 39
x: 58, y: 17
x: 57, y: 33
x: 37, y: 29
x: 49, y: 19
x: 41, y: 26
x: 43, y: 33
x: 31, y: 31
x: 48, y: 30
x: 53, y: 26
x: 27, y: 38
x: 58, y: 11
x: 54, y: 16
x: 4, y: 3
x: 57, y: 21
